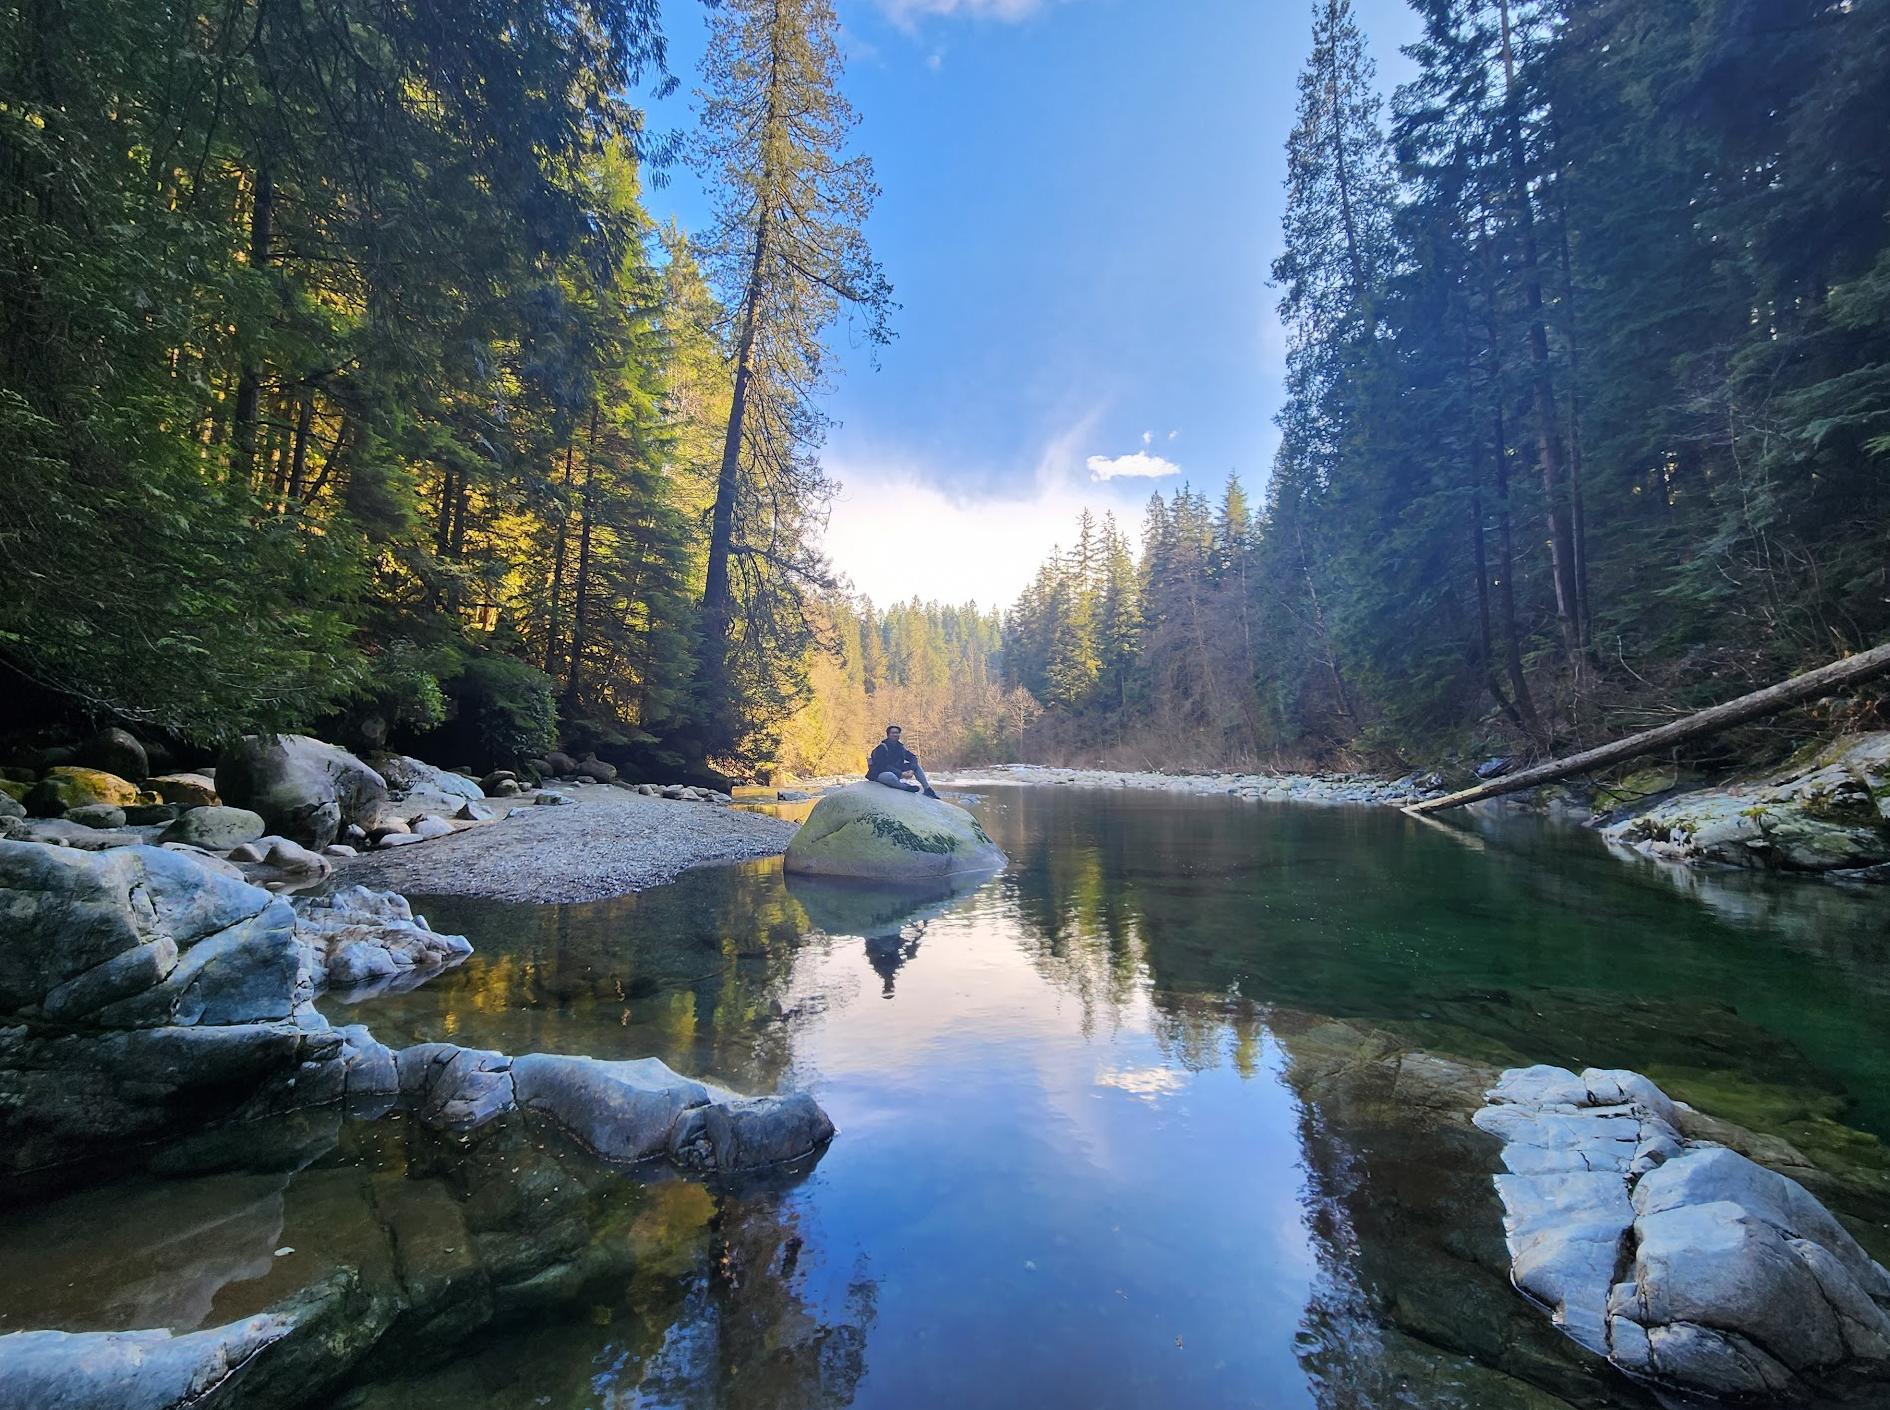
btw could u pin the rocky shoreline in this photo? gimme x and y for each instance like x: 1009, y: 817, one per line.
x: 1825, y: 813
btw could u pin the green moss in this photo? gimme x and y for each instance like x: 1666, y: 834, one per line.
x: 893, y: 831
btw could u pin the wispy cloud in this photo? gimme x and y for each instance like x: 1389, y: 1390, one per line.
x: 1138, y: 465
x: 907, y: 13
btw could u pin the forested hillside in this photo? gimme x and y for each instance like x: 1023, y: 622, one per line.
x: 345, y: 383
x: 1588, y: 401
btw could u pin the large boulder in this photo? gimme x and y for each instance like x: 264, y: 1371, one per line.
x: 869, y: 832
x: 1828, y: 813
x: 67, y: 787
x: 216, y: 829
x: 629, y: 1112
x: 415, y: 787
x: 143, y: 994
x: 138, y: 1370
x: 1683, y: 1263
x: 303, y: 789
x: 116, y: 752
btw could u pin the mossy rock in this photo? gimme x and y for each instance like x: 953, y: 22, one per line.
x: 15, y: 789
x: 868, y: 832
x: 67, y: 787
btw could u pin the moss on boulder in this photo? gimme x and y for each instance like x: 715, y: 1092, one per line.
x: 867, y: 832
x: 68, y: 787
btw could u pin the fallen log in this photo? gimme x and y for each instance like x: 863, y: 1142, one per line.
x: 1797, y: 690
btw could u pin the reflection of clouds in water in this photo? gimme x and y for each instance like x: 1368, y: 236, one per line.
x: 1148, y: 1083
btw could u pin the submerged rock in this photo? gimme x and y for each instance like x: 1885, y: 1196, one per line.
x: 301, y: 787
x: 869, y: 832
x: 1683, y: 1263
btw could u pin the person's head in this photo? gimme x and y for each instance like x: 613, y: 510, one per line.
x: 893, y: 732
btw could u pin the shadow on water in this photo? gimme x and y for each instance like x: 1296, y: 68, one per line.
x: 1147, y: 1120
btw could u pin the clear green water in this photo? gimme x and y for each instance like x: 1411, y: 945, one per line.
x: 1093, y: 1151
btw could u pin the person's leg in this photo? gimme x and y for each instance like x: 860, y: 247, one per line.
x: 889, y: 778
x: 925, y: 784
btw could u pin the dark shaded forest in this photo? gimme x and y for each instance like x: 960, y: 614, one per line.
x: 1588, y: 403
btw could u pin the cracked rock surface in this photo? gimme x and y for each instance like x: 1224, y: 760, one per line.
x: 1682, y: 1262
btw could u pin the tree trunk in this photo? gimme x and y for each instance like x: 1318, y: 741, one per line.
x: 249, y: 383
x: 1852, y: 670
x: 298, y: 459
x: 556, y: 604
x: 1548, y: 428
x: 581, y: 588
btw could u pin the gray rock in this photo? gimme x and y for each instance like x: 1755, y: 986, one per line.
x: 293, y: 857
x: 303, y: 789
x: 399, y: 839
x: 425, y: 827
x: 151, y: 814
x: 561, y: 764
x: 11, y: 807
x: 595, y: 769
x: 872, y: 833
x: 58, y: 832
x: 96, y: 815
x: 339, y: 851
x: 551, y: 799
x: 1684, y: 1263
x: 215, y: 828
x: 1830, y: 815
x: 504, y: 788
x: 116, y: 752
x: 246, y: 852
x: 473, y: 812
x: 415, y: 787
x: 142, y: 1370
x: 187, y: 790
x: 360, y: 937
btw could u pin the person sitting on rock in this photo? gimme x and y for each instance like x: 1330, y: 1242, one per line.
x: 894, y: 765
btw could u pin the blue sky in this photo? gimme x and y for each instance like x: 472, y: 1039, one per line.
x: 1081, y: 202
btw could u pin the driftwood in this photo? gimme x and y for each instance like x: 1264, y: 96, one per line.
x: 1758, y: 704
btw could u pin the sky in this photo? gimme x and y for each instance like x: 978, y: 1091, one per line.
x: 1080, y: 205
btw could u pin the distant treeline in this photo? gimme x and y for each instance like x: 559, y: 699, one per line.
x: 1588, y: 412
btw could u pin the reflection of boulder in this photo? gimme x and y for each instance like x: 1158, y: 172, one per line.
x: 890, y: 919
x: 857, y: 908
x: 872, y: 833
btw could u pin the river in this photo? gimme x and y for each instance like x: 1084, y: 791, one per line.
x: 1114, y: 1126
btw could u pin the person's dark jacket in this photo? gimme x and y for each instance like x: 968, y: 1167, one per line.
x: 890, y: 757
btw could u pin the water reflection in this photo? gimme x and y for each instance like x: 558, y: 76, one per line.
x: 1171, y: 1112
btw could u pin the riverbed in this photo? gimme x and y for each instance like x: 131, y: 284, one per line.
x: 1109, y: 1134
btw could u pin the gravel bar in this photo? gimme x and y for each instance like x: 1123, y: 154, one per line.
x: 607, y: 842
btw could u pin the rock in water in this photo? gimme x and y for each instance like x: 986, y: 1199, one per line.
x: 1683, y: 1263
x: 143, y: 1370
x: 360, y: 938
x: 869, y: 832
x: 303, y: 788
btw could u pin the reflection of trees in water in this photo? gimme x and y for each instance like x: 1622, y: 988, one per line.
x: 690, y: 971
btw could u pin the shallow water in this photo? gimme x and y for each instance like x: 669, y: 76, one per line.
x: 1092, y: 1150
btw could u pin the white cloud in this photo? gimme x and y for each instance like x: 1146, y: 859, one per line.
x: 897, y: 533
x: 907, y: 13
x: 1140, y: 466
x: 1148, y: 438
x: 935, y: 61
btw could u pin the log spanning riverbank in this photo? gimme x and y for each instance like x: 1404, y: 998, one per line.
x: 1852, y: 670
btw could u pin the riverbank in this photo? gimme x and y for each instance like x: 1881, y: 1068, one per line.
x: 1273, y: 788
x: 608, y: 841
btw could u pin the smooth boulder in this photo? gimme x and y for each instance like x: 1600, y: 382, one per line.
x: 216, y: 829
x: 868, y: 832
x: 115, y: 751
x: 187, y: 790
x: 1683, y: 1263
x: 67, y: 787
x: 302, y: 788
x: 358, y: 938
x: 415, y: 787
